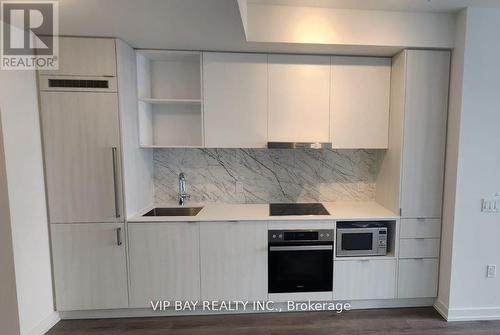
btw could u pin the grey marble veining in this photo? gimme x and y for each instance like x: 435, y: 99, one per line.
x: 266, y: 175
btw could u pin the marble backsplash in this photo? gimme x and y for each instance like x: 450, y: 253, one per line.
x: 266, y: 175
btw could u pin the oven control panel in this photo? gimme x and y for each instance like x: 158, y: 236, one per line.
x: 300, y: 235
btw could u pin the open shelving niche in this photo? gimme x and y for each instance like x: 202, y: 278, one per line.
x: 392, y: 243
x: 169, y: 98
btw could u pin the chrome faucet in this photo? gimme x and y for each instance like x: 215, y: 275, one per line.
x: 182, y: 189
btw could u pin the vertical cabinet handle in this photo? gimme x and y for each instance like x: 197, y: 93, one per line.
x: 119, y: 236
x: 115, y: 181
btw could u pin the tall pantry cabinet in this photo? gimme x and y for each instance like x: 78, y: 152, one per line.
x: 411, y: 176
x: 82, y: 121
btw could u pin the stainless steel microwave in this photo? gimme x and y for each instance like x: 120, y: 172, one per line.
x: 361, y: 239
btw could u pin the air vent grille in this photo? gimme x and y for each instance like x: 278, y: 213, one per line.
x: 78, y: 83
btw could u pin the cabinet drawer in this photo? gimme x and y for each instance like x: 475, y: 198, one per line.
x: 418, y: 278
x: 419, y: 248
x: 420, y: 228
x: 364, y: 279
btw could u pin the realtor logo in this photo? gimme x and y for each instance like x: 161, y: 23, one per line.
x: 29, y: 35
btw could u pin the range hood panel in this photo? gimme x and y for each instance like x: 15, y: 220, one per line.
x: 298, y: 145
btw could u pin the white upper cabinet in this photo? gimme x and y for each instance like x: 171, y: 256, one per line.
x: 411, y: 174
x: 85, y: 57
x: 235, y: 100
x: 424, y: 132
x: 360, y: 91
x: 299, y: 98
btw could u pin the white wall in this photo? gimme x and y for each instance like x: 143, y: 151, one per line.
x: 450, y: 180
x: 289, y: 24
x: 471, y: 238
x: 9, y: 317
x: 26, y: 192
x: 243, y: 7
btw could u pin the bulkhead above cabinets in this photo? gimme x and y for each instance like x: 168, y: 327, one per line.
x: 245, y: 100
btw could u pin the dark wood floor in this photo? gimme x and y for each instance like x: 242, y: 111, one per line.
x: 411, y: 321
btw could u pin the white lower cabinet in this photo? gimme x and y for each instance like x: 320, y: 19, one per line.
x: 364, y: 279
x: 164, y: 262
x: 418, y: 278
x: 233, y: 260
x: 90, y: 270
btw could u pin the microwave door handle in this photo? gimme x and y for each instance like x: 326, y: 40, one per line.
x: 301, y: 248
x: 374, y: 242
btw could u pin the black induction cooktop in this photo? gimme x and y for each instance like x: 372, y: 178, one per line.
x: 297, y: 209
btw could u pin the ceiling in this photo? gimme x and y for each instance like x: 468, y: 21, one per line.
x: 160, y: 24
x: 209, y: 24
x: 393, y: 5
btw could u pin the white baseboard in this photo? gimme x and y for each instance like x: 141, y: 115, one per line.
x: 44, y: 326
x: 392, y: 303
x: 442, y: 309
x: 467, y: 314
x: 473, y: 314
x: 148, y: 312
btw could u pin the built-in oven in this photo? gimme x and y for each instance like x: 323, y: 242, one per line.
x: 364, y: 238
x: 300, y: 261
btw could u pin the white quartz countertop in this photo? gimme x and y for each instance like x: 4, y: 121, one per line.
x: 340, y: 210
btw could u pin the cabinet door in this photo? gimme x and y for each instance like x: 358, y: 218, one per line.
x: 364, y: 279
x: 85, y: 57
x: 233, y: 260
x: 164, y: 262
x: 299, y: 98
x: 360, y: 90
x: 426, y: 106
x: 90, y: 270
x: 418, y: 278
x: 82, y: 153
x: 235, y: 100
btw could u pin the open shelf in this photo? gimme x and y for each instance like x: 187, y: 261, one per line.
x: 392, y: 245
x: 170, y: 104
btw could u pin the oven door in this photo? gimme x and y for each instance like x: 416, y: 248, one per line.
x: 300, y: 267
x: 357, y: 242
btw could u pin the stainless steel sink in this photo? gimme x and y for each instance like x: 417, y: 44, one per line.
x: 174, y: 211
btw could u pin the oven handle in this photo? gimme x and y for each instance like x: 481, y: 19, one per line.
x: 301, y: 247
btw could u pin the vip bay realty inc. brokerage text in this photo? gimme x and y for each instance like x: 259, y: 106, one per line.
x: 247, y: 306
